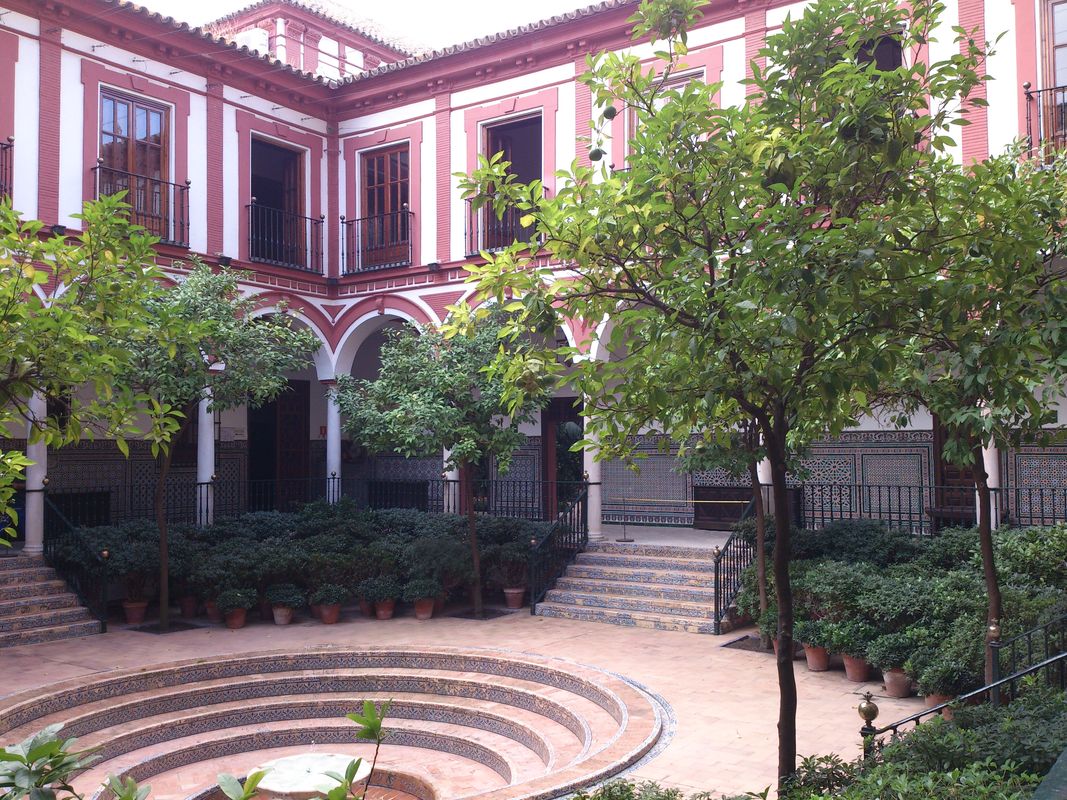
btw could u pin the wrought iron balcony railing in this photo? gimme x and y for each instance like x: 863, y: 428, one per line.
x: 7, y: 161
x: 284, y: 239
x: 160, y: 207
x: 487, y: 231
x: 377, y: 242
x: 1046, y: 119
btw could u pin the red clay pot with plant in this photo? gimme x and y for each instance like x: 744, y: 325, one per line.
x: 818, y: 658
x: 384, y: 609
x: 897, y: 682
x: 135, y: 611
x: 513, y: 596
x: 282, y: 615
x: 329, y: 613
x: 424, y: 608
x: 857, y: 670
x: 236, y: 619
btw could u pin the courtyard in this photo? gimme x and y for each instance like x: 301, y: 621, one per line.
x: 719, y: 704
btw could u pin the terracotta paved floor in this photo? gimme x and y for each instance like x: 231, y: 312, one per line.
x: 725, y: 701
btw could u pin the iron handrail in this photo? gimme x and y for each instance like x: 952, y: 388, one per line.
x: 1049, y: 125
x: 870, y: 733
x: 550, y: 555
x: 86, y: 574
x: 7, y: 166
x: 378, y: 241
x: 160, y: 207
x: 731, y: 561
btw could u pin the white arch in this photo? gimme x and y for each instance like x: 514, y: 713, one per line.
x: 358, y: 332
x: 321, y: 357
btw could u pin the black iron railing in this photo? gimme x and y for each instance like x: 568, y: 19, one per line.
x: 919, y: 509
x: 84, y: 571
x: 550, y: 555
x: 7, y: 167
x: 1029, y: 648
x: 487, y: 231
x: 283, y: 238
x: 731, y: 560
x: 1038, y: 505
x: 377, y: 242
x: 159, y: 206
x: 1046, y: 119
x: 1053, y: 666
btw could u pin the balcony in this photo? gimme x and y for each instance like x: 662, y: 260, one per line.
x: 284, y: 239
x: 486, y: 231
x: 160, y: 207
x: 7, y: 160
x: 1046, y: 119
x: 377, y: 242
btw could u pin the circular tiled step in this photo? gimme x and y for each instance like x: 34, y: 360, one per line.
x: 469, y: 723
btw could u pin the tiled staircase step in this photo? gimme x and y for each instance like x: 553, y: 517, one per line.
x: 24, y: 575
x: 49, y: 633
x: 646, y: 562
x: 18, y: 591
x: 20, y: 562
x: 655, y: 591
x: 43, y: 619
x: 634, y: 575
x: 633, y: 619
x: 655, y: 550
x: 627, y: 603
x: 34, y: 605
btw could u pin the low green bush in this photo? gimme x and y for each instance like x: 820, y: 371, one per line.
x: 329, y: 594
x: 379, y: 589
x: 628, y: 790
x: 421, y: 589
x: 285, y: 594
x: 849, y: 637
x: 233, y: 599
x: 890, y: 781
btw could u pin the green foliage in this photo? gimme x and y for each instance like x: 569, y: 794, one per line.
x: 329, y: 594
x: 421, y: 589
x: 285, y: 594
x: 849, y: 637
x: 857, y: 540
x: 813, y: 632
x: 509, y: 563
x: 234, y: 790
x: 127, y: 789
x: 1037, y: 554
x: 67, y: 307
x: 379, y: 589
x: 627, y: 790
x: 234, y: 599
x: 41, y: 766
x: 820, y: 776
x: 892, y: 650
x: 981, y: 781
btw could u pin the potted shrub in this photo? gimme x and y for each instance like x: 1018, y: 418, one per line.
x: 890, y: 653
x: 851, y: 639
x: 284, y: 598
x: 233, y: 604
x: 942, y: 679
x: 132, y: 557
x: 382, y: 592
x: 812, y: 634
x: 329, y: 598
x: 508, y: 566
x: 422, y: 592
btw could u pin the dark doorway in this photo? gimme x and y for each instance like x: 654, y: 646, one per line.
x: 561, y: 468
x: 278, y: 435
x: 954, y: 492
x: 276, y: 224
x: 520, y: 143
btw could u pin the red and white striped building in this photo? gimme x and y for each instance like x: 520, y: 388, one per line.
x: 320, y: 157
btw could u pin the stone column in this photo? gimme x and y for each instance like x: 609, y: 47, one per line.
x: 450, y: 488
x: 333, y: 443
x: 991, y: 459
x: 37, y: 452
x: 205, y: 461
x: 595, y: 498
x: 763, y: 468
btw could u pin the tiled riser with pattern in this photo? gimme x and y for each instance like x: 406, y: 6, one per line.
x: 645, y: 586
x: 35, y: 606
x: 536, y: 728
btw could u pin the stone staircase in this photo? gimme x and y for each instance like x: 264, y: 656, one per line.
x: 645, y: 586
x: 36, y: 606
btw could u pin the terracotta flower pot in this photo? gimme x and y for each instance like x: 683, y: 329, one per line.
x: 383, y: 609
x: 236, y: 619
x: 283, y: 615
x: 212, y: 611
x: 818, y: 658
x: 316, y: 610
x: 366, y: 608
x: 135, y: 611
x: 774, y: 646
x: 857, y: 670
x: 266, y: 610
x: 424, y: 608
x: 897, y: 683
x: 513, y: 596
x: 932, y: 700
x: 329, y: 613
x: 188, y: 604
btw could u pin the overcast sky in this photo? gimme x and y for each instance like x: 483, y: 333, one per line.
x: 433, y: 23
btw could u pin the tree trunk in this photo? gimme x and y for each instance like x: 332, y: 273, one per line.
x: 994, y: 609
x: 161, y: 523
x: 787, y: 684
x: 466, y: 476
x: 761, y: 544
